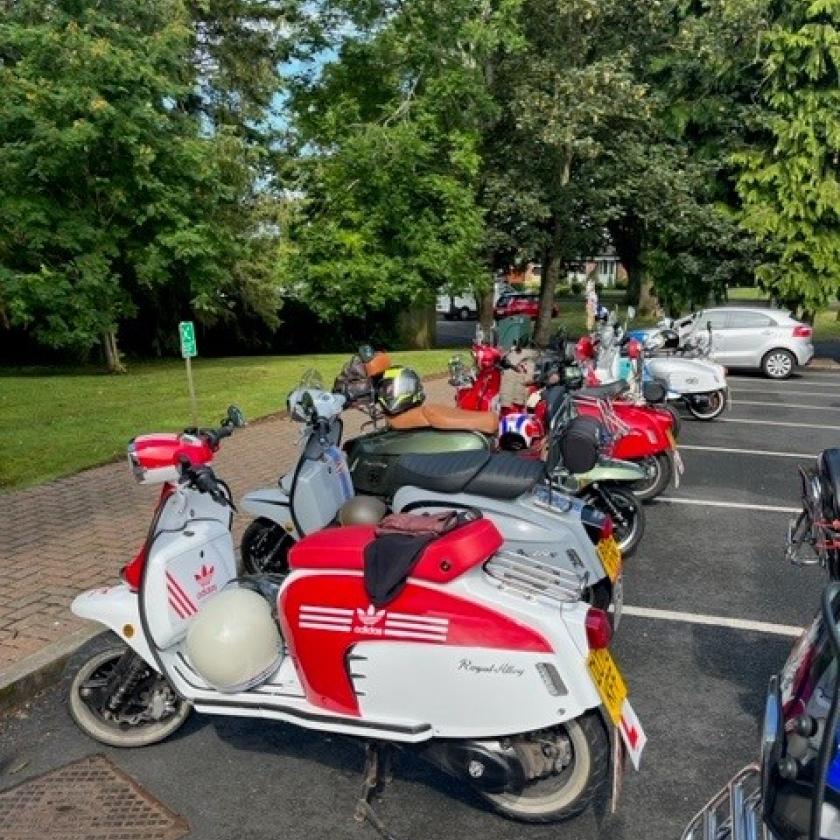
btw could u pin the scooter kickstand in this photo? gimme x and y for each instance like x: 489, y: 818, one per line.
x: 378, y: 773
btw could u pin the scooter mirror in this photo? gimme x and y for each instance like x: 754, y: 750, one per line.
x: 709, y: 326
x: 235, y: 416
x: 366, y: 353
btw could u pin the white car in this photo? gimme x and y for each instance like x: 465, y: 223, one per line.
x: 753, y: 338
x: 461, y: 307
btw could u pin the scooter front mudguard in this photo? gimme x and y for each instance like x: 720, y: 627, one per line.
x: 269, y: 503
x: 117, y: 608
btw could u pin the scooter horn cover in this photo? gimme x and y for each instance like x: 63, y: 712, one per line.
x: 234, y: 643
x: 580, y: 444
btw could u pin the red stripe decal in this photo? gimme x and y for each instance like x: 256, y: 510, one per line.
x: 174, y: 604
x: 181, y: 592
x: 175, y: 594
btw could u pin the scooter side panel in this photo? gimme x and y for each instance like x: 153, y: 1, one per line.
x: 556, y: 537
x: 324, y: 617
x: 269, y: 503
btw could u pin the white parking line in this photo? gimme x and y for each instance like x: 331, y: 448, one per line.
x: 776, y: 423
x: 673, y: 500
x: 787, y: 405
x: 800, y: 455
x: 811, y: 380
x: 785, y: 393
x: 714, y: 621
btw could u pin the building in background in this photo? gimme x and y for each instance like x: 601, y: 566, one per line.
x: 606, y: 267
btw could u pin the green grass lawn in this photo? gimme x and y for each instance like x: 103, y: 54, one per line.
x: 57, y: 421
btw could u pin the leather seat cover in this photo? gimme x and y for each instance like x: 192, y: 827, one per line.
x: 611, y: 389
x: 446, y: 418
x: 496, y: 476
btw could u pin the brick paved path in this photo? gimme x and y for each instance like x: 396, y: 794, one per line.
x: 76, y: 533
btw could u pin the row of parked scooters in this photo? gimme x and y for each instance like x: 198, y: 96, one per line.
x: 413, y: 587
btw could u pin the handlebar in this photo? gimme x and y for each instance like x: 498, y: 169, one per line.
x: 204, y: 480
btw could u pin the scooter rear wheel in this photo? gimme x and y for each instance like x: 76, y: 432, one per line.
x: 151, y: 711
x: 715, y: 407
x: 627, y: 514
x: 567, y: 793
x: 659, y: 477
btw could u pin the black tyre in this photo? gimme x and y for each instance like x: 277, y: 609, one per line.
x: 659, y: 469
x: 564, y: 794
x: 464, y: 314
x: 626, y: 512
x: 265, y: 548
x: 151, y: 712
x: 778, y: 364
x: 677, y: 420
x: 707, y: 409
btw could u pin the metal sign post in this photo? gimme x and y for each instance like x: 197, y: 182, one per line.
x: 186, y: 330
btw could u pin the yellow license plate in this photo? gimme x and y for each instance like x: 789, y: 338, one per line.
x: 671, y: 439
x: 608, y: 681
x: 610, y: 556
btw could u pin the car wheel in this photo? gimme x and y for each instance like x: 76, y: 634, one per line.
x: 778, y: 364
x: 465, y: 314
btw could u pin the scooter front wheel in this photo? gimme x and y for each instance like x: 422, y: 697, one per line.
x: 265, y: 548
x: 711, y: 408
x: 659, y: 469
x: 578, y: 780
x: 148, y: 711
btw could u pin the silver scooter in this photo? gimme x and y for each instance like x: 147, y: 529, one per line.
x: 532, y: 515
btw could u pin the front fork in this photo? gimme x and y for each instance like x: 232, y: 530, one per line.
x: 800, y: 533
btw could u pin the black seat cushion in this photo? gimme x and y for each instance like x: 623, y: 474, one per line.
x: 506, y: 476
x: 447, y: 472
x: 497, y: 476
x: 829, y: 466
x: 611, y: 389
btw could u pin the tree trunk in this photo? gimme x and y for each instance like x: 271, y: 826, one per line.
x: 548, y: 283
x: 485, y: 310
x: 648, y: 304
x: 552, y: 258
x: 626, y: 235
x: 112, y: 352
x: 417, y: 326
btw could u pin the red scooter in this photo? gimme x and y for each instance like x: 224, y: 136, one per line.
x: 646, y: 433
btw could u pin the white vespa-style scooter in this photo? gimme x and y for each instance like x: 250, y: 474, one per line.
x: 511, y: 491
x: 483, y: 660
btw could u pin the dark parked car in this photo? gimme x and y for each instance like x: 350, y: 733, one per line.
x: 520, y: 304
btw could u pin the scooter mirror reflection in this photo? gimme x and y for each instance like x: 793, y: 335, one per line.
x: 235, y: 416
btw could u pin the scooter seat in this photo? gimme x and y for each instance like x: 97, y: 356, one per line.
x: 494, y: 475
x: 443, y: 559
x: 829, y: 468
x: 446, y: 419
x: 602, y: 392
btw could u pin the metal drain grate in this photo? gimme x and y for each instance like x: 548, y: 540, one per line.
x: 89, y: 799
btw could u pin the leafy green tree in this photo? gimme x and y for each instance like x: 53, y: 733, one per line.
x: 788, y: 178
x: 111, y: 193
x: 388, y: 158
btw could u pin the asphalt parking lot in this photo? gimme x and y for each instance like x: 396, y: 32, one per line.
x: 712, y: 609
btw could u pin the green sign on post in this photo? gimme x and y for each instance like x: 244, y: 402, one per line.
x: 188, y: 346
x: 189, y: 350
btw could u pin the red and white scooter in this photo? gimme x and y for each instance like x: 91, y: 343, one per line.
x: 485, y: 661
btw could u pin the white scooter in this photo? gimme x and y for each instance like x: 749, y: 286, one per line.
x: 484, y: 660
x: 511, y: 491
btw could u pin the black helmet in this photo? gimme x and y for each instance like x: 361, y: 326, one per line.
x: 399, y: 390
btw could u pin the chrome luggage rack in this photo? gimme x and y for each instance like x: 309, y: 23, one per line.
x: 523, y: 575
x: 734, y: 813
